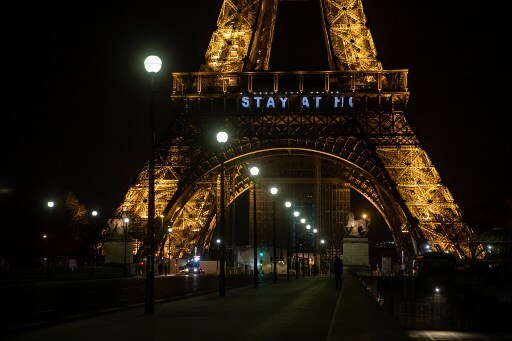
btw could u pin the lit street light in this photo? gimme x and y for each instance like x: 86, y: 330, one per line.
x: 273, y: 191
x: 152, y: 64
x: 169, y: 230
x: 322, y: 241
x: 50, y: 204
x: 308, y: 227
x: 222, y: 137
x: 163, y: 238
x: 93, y: 260
x: 46, y: 259
x: 288, y: 205
x: 315, y: 231
x: 254, y: 173
x: 125, y: 225
x: 296, y: 214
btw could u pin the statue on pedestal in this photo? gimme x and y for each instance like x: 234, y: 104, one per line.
x: 116, y: 226
x: 356, y: 228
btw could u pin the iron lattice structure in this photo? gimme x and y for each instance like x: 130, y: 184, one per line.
x: 316, y: 190
x: 370, y: 144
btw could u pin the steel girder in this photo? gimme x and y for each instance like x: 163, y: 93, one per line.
x: 242, y: 40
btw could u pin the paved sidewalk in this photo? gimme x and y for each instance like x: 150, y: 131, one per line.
x: 308, y: 308
x: 359, y: 317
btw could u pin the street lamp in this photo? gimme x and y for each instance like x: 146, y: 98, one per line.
x: 93, y: 260
x: 50, y: 204
x: 273, y: 191
x: 153, y: 64
x: 296, y: 214
x: 315, y: 231
x: 222, y: 137
x: 163, y: 238
x: 308, y: 227
x: 126, y: 220
x: 47, y: 261
x: 254, y: 173
x: 169, y: 230
x: 288, y: 205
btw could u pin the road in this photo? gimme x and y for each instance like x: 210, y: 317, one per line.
x: 27, y: 304
x: 300, y: 309
x: 305, y: 309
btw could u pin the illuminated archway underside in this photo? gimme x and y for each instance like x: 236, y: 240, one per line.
x: 192, y: 209
x: 374, y: 146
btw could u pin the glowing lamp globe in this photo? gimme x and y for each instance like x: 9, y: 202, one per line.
x: 153, y: 64
x: 254, y: 171
x: 222, y: 137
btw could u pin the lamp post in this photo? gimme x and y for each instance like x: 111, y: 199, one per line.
x: 222, y: 137
x: 288, y: 205
x: 50, y: 205
x: 46, y: 260
x: 217, y: 253
x: 315, y: 231
x: 308, y: 227
x: 153, y: 64
x: 254, y: 172
x: 302, y: 241
x: 126, y: 220
x: 322, y: 242
x: 296, y: 215
x: 169, y: 230
x: 162, y: 258
x: 93, y: 260
x: 273, y: 191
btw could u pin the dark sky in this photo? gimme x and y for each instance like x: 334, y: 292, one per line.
x: 77, y: 92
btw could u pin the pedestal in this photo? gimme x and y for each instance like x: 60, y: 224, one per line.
x: 115, y: 252
x: 356, y: 255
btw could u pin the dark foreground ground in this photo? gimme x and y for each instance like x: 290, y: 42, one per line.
x: 308, y: 308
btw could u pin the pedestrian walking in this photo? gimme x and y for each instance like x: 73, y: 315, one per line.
x: 160, y: 268
x: 338, y: 271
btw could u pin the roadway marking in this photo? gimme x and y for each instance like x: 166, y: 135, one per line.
x: 334, y: 314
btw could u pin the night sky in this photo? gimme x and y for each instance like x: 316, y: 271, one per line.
x: 77, y: 108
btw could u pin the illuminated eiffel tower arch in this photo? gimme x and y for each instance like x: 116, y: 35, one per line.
x: 352, y: 117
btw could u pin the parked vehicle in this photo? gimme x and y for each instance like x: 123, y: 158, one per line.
x: 191, y: 268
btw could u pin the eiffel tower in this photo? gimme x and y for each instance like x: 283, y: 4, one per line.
x: 352, y: 117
